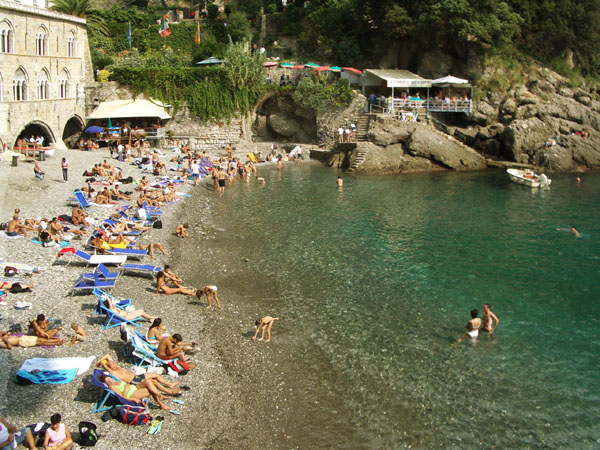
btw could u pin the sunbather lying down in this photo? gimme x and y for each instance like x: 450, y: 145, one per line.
x: 15, y: 288
x: 129, y: 315
x: 107, y: 363
x: 8, y: 341
x: 135, y: 393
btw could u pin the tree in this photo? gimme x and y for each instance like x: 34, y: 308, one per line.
x: 83, y: 9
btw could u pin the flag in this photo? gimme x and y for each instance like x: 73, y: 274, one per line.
x: 164, y: 30
x: 129, y: 34
x: 198, y: 33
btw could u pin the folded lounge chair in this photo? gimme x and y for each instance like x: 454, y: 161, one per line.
x: 93, y: 259
x: 103, y: 273
x: 141, y: 268
x: 107, y: 395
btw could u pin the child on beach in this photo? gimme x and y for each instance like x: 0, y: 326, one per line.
x: 79, y: 335
x: 265, y: 324
x: 181, y: 230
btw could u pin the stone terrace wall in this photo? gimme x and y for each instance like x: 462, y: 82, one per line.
x: 328, y: 123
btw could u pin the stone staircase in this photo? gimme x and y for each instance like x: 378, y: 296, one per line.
x: 362, y: 127
x: 359, y: 155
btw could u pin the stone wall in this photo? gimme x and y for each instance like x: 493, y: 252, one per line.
x: 51, y: 114
x: 328, y: 123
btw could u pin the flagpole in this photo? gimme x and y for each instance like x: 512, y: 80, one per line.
x: 129, y: 35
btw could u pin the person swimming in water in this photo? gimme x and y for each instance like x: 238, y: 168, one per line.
x: 575, y: 232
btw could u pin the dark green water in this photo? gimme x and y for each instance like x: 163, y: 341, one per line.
x: 374, y: 283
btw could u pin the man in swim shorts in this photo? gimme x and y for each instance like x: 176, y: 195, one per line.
x: 472, y: 326
x: 489, y: 320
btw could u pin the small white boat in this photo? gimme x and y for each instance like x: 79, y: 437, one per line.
x: 528, y: 178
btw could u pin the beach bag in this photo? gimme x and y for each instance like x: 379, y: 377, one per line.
x: 88, y: 435
x: 10, y: 271
x: 127, y: 180
x: 157, y: 224
x: 133, y: 415
x: 180, y: 367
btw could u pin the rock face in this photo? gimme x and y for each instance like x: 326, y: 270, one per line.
x: 545, y: 109
x: 412, y: 147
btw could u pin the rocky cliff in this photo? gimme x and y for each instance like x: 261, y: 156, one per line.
x: 539, y: 122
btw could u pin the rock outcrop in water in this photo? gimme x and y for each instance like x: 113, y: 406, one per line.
x: 396, y: 146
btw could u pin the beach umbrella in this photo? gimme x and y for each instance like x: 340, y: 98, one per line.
x: 298, y: 66
x: 289, y: 65
x: 211, y: 60
x: 352, y: 69
x: 269, y: 64
x: 311, y: 64
x: 335, y: 69
x: 322, y: 68
x: 109, y: 123
x: 94, y: 130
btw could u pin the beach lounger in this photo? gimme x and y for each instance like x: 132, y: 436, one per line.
x: 113, y: 319
x: 84, y: 283
x: 107, y: 395
x: 102, y: 295
x: 85, y: 203
x: 207, y: 162
x: 128, y: 252
x: 142, y: 353
x: 93, y: 259
x: 151, y: 211
x: 103, y: 273
x: 142, y: 268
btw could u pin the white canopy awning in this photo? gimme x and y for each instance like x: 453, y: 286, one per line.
x: 447, y: 80
x: 399, y: 78
x: 127, y: 109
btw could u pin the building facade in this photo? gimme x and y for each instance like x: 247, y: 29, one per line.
x: 44, y: 66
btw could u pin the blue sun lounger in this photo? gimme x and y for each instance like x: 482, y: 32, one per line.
x: 85, y: 283
x: 93, y: 259
x: 128, y: 252
x: 113, y: 319
x: 151, y: 211
x: 82, y: 200
x: 142, y: 353
x: 103, y: 273
x: 109, y: 396
x: 142, y: 268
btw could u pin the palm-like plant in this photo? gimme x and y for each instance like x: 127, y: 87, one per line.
x: 83, y: 9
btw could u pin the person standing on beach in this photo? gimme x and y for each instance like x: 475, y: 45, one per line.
x: 265, y: 324
x: 489, y: 320
x: 472, y: 326
x: 65, y: 169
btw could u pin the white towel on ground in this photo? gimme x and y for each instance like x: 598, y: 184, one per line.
x: 81, y: 364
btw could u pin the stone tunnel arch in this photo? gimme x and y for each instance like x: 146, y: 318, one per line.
x: 279, y: 118
x: 37, y: 128
x: 72, y: 130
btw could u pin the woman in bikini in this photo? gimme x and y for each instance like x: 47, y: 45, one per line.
x: 161, y: 286
x: 136, y: 393
x: 129, y: 315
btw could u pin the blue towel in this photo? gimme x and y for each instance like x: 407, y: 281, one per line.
x: 25, y: 378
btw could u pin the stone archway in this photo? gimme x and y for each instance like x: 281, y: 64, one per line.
x: 279, y: 118
x: 72, y: 130
x: 37, y: 128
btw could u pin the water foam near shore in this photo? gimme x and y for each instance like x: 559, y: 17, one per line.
x: 374, y: 282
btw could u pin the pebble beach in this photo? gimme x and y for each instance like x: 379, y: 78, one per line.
x: 216, y: 409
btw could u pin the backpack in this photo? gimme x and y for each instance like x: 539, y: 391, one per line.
x: 157, y: 224
x: 88, y: 435
x: 133, y: 415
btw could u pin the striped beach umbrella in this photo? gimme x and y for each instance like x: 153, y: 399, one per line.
x: 285, y: 64
x: 312, y: 64
x: 335, y: 69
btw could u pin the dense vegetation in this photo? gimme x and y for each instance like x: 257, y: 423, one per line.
x: 341, y: 32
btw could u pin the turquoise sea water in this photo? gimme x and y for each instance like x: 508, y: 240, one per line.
x: 374, y: 282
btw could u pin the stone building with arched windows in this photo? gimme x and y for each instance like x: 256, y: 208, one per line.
x: 44, y: 66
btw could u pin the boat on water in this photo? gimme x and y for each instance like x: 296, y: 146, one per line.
x: 528, y: 178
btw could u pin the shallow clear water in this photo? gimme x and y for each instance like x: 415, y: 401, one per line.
x: 374, y: 283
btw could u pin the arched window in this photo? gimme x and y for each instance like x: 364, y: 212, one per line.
x: 20, y: 85
x: 71, y: 44
x: 43, y: 85
x: 7, y: 37
x: 64, y: 83
x: 41, y: 41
